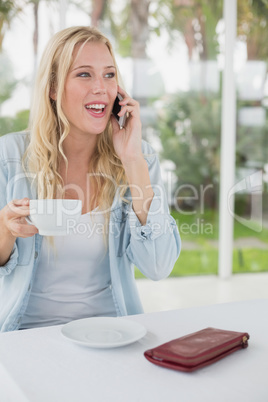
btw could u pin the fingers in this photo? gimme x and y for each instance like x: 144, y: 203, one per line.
x: 18, y: 208
x: 128, y: 104
x: 132, y: 110
x: 14, y: 218
x: 20, y: 228
x: 127, y: 100
x: 23, y: 201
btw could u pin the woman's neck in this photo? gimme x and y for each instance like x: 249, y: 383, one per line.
x: 79, y: 149
x: 77, y: 180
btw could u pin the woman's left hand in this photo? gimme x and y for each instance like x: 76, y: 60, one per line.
x: 127, y: 141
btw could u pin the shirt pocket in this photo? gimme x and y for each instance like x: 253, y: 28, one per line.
x: 25, y: 249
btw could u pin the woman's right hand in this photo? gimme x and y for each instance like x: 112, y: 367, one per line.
x: 13, y: 222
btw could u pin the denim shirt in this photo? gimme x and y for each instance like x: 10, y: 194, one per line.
x: 153, y: 247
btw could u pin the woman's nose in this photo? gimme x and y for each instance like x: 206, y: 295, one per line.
x: 99, y: 87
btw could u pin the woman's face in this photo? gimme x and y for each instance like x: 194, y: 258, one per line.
x: 90, y: 89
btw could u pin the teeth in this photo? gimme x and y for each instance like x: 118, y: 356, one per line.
x: 95, y: 106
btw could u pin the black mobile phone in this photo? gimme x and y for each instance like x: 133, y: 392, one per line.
x: 116, y: 109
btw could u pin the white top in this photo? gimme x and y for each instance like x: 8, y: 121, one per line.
x: 73, y: 277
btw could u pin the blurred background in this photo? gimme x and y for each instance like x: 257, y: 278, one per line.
x: 171, y: 55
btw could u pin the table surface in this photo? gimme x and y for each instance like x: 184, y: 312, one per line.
x: 40, y: 365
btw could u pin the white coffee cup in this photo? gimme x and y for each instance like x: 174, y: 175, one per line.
x: 54, y: 217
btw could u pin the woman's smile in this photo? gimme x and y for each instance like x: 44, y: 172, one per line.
x: 97, y: 110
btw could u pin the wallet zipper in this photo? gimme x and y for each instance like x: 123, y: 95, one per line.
x: 244, y: 341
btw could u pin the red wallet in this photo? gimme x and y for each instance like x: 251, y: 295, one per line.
x: 198, y: 349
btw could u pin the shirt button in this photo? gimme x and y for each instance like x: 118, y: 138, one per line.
x: 35, y: 254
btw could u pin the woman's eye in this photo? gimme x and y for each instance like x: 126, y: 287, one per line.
x: 110, y: 75
x: 84, y: 75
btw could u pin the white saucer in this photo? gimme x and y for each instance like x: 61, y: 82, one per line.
x: 103, y: 332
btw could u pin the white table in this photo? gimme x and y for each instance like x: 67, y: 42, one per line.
x: 40, y: 365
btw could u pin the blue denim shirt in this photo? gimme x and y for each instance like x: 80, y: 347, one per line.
x: 153, y: 248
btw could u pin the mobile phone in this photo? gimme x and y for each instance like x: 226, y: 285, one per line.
x: 116, y: 109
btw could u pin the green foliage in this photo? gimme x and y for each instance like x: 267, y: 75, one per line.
x: 252, y: 22
x: 8, y: 10
x: 198, y: 226
x: 13, y: 124
x: 252, y: 144
x: 5, y: 125
x: 6, y: 90
x: 205, y: 262
x: 7, y: 81
x: 210, y: 217
x: 197, y: 20
x: 8, y: 7
x: 189, y: 126
x: 120, y: 28
x: 201, y: 258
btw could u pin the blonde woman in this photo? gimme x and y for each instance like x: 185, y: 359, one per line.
x: 75, y: 149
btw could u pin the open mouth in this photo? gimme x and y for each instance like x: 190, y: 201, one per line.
x: 97, y: 108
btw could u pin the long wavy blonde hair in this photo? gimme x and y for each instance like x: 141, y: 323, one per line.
x: 49, y: 126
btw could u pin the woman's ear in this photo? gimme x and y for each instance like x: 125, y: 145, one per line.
x: 53, y: 94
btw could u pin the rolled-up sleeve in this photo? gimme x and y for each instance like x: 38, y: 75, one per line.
x: 155, y: 246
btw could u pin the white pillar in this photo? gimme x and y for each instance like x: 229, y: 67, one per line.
x: 228, y: 142
x: 62, y: 17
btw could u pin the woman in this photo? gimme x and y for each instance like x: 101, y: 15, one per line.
x: 75, y: 149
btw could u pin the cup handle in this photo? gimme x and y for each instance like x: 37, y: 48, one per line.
x: 28, y: 220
